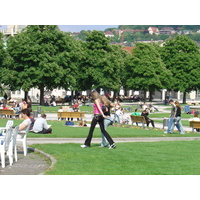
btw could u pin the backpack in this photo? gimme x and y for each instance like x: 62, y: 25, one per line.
x: 68, y: 123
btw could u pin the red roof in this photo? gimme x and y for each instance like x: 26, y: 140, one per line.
x: 128, y: 49
x: 109, y: 33
x: 154, y: 29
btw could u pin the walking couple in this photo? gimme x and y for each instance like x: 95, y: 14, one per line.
x: 175, y: 118
x: 99, y: 117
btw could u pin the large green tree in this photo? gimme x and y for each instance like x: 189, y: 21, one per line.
x: 103, y: 63
x: 41, y: 58
x: 145, y: 69
x: 3, y: 57
x: 181, y: 56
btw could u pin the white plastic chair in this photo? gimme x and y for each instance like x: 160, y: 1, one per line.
x: 5, y: 147
x: 9, y: 124
x: 23, y: 140
x: 14, y: 144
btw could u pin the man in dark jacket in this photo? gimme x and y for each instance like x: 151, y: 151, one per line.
x: 148, y: 120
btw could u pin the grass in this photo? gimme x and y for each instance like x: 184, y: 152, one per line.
x: 139, y: 158
x: 153, y: 158
x: 184, y: 122
x: 49, y: 109
x: 162, y: 115
x: 62, y: 131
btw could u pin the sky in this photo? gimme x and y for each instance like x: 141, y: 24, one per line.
x: 78, y: 28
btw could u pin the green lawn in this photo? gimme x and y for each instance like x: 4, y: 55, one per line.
x: 184, y: 122
x: 60, y: 130
x: 87, y: 109
x: 143, y: 158
x: 162, y: 115
x: 181, y: 157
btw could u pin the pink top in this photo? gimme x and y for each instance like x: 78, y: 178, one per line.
x: 96, y: 110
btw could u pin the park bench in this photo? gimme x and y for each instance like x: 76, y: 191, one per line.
x: 138, y: 119
x: 8, y: 113
x: 65, y: 115
x: 195, y: 125
x: 60, y: 102
x: 195, y: 108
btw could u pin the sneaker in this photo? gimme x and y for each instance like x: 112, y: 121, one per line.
x: 84, y: 146
x: 112, y: 146
x: 103, y: 145
x: 165, y: 132
x: 168, y: 132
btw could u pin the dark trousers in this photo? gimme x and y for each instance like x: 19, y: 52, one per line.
x: 150, y: 121
x: 101, y: 124
x: 45, y: 131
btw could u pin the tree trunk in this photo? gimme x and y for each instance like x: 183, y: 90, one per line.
x: 25, y: 96
x: 72, y: 97
x: 41, y: 95
x: 145, y: 95
x: 115, y: 95
x: 150, y: 95
x: 98, y: 90
x: 184, y: 97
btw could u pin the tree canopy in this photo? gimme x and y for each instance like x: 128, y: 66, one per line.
x: 44, y: 57
x: 40, y: 57
x: 145, y: 69
x: 181, y: 56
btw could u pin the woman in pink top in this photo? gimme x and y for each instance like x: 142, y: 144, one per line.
x: 98, y: 117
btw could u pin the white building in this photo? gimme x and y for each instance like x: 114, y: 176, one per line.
x: 12, y: 30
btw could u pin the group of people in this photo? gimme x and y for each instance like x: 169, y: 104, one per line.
x: 72, y: 108
x: 150, y: 107
x: 17, y: 106
x: 174, y: 118
x: 37, y: 126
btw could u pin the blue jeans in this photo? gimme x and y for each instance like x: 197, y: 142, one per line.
x: 107, y: 122
x: 170, y: 124
x: 99, y: 120
x: 178, y: 125
x: 118, y: 119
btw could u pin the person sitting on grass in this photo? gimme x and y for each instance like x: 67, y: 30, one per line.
x: 82, y: 124
x: 41, y: 126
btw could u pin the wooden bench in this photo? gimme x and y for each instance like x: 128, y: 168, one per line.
x: 195, y: 125
x: 65, y: 115
x: 196, y: 108
x: 60, y: 101
x: 138, y: 119
x: 8, y: 113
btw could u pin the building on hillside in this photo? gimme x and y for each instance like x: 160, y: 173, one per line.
x: 74, y: 33
x: 109, y: 34
x: 167, y: 31
x: 153, y: 30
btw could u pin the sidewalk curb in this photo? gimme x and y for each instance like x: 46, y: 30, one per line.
x: 51, y: 158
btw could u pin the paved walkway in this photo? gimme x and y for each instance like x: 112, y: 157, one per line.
x: 32, y: 164
x: 36, y: 163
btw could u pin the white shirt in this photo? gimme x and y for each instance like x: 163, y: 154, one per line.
x: 194, y: 119
x: 39, y: 124
x: 27, y: 122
